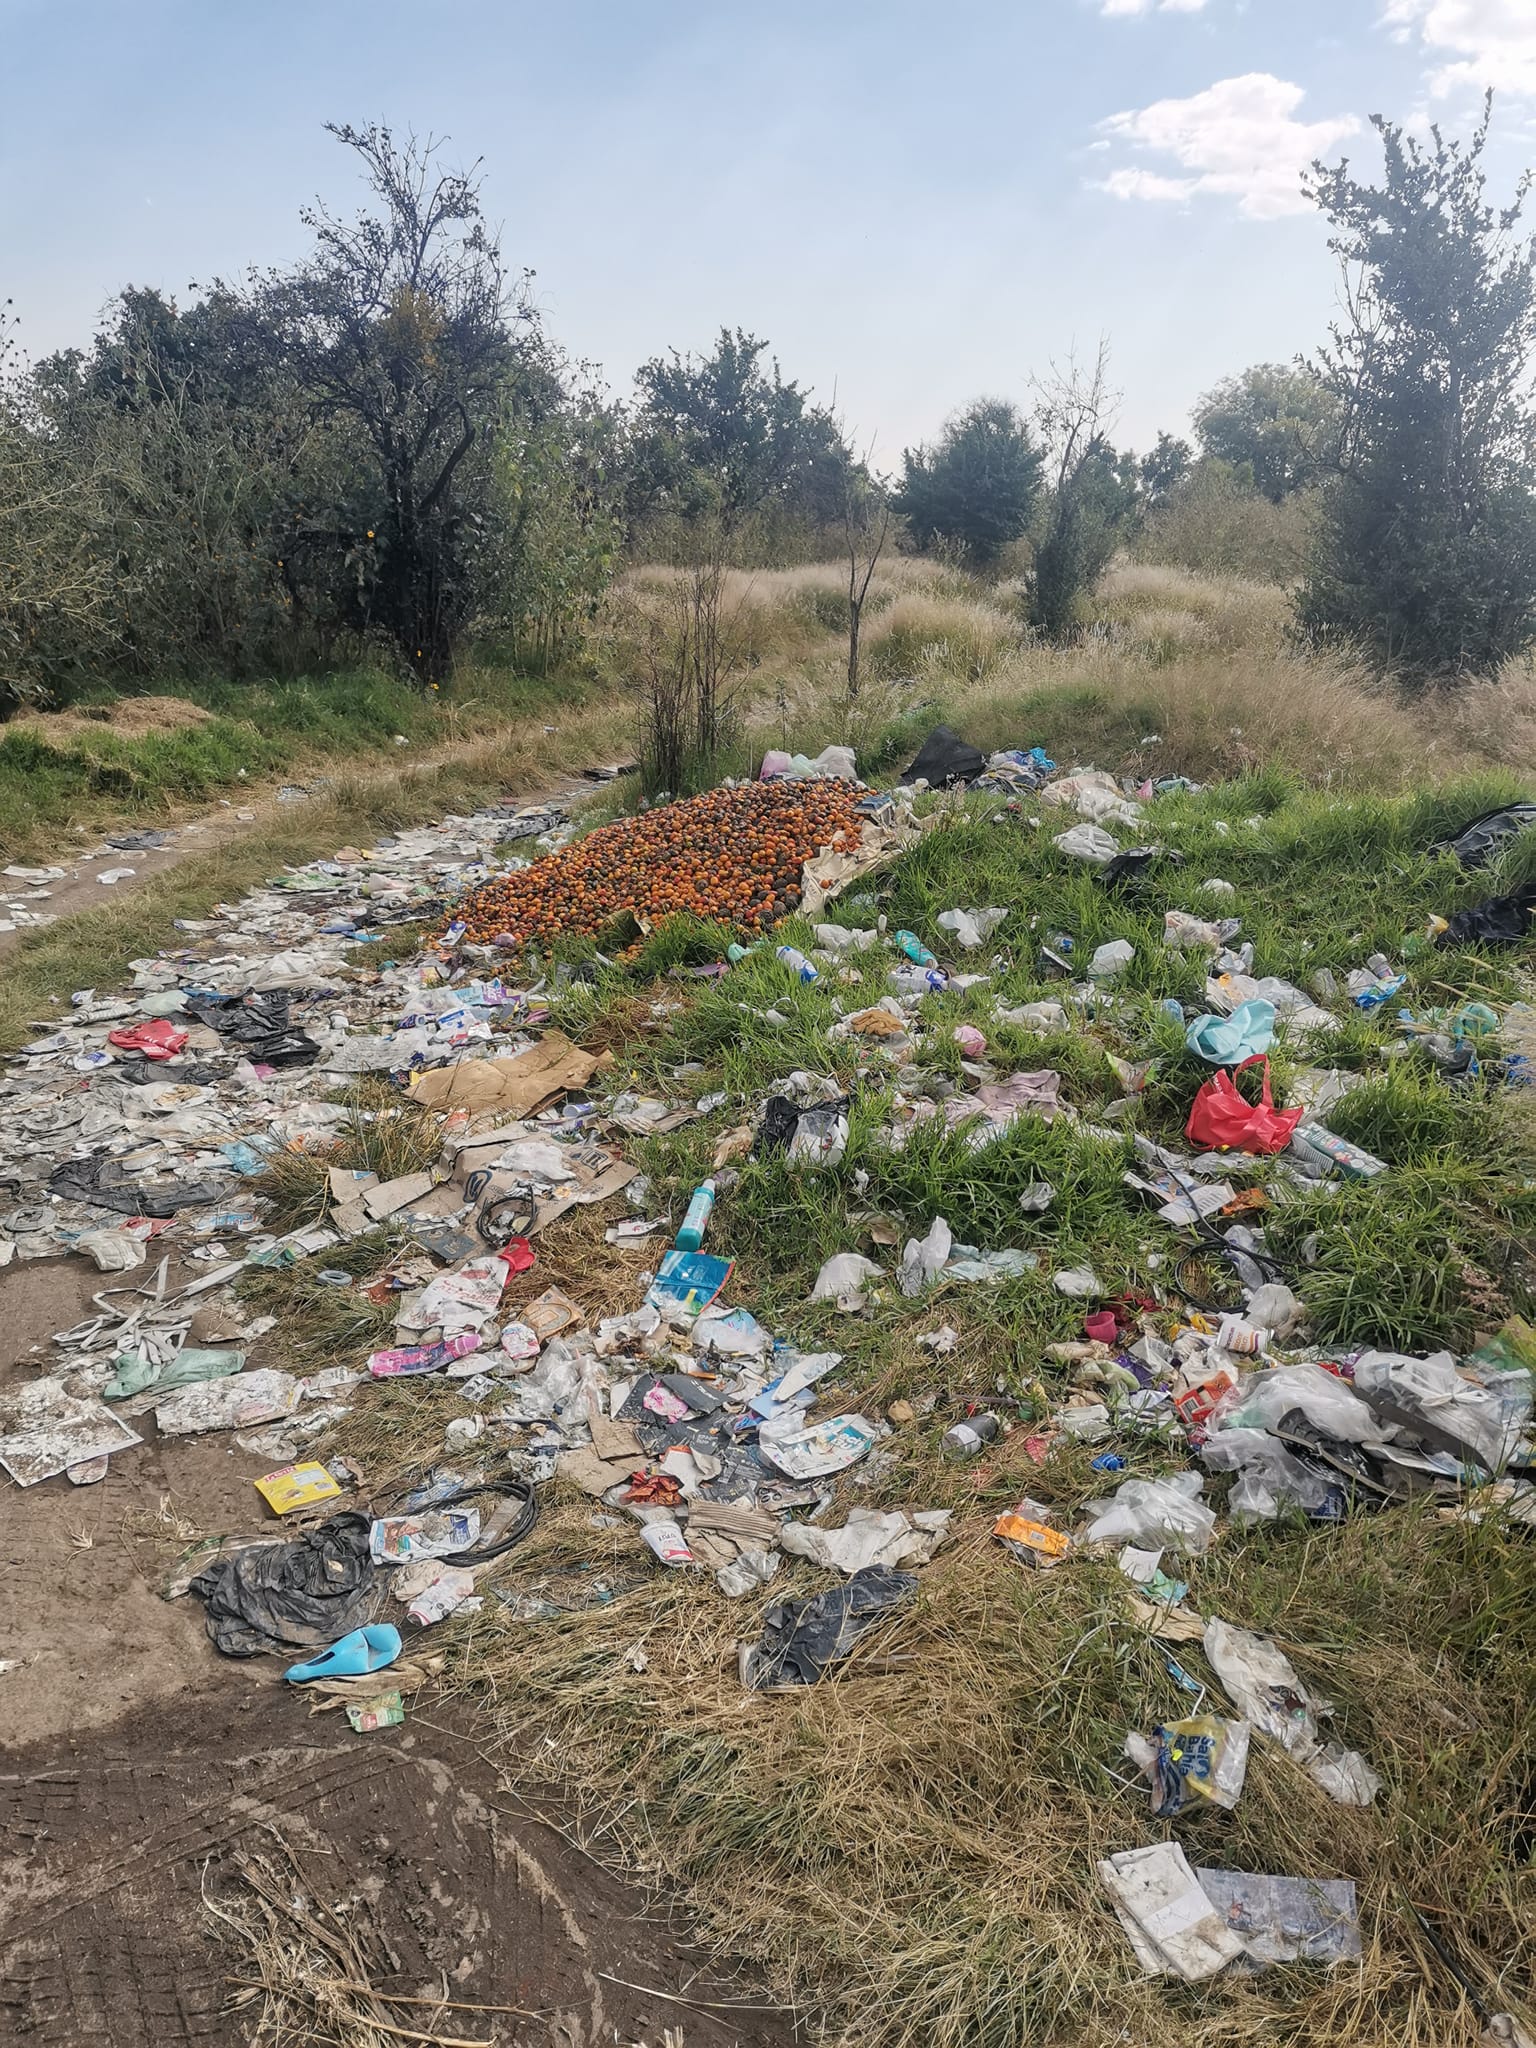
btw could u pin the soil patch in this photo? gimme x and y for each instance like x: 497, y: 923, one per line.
x: 112, y: 1852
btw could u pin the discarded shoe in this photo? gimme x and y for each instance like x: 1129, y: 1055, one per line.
x: 365, y: 1649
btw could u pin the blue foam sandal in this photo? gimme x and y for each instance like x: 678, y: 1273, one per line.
x: 364, y: 1650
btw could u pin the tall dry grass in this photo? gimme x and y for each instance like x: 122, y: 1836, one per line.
x: 1204, y: 662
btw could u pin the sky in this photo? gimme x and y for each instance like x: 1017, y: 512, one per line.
x: 915, y: 203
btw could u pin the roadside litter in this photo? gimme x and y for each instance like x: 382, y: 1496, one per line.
x: 687, y: 1415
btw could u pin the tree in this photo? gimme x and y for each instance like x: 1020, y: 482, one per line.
x: 722, y: 438
x: 401, y: 325
x: 1162, y: 471
x: 1089, y: 504
x: 866, y: 528
x: 1277, y: 422
x: 203, y: 453
x: 55, y: 592
x: 976, y: 487
x: 1427, y: 555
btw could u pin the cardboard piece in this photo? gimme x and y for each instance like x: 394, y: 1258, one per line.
x: 527, y: 1082
x: 390, y: 1195
x: 594, y: 1475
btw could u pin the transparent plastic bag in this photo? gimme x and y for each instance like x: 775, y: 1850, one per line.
x: 1328, y: 1404
x: 1155, y: 1514
x: 1269, y: 1479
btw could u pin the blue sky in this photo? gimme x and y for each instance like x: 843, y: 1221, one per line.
x: 915, y: 203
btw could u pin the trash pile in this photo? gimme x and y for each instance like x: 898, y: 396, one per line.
x: 730, y: 1448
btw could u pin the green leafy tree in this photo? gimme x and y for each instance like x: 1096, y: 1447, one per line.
x: 1278, y: 422
x: 725, y: 439
x: 1427, y: 553
x: 1160, y: 472
x: 403, y: 329
x: 976, y: 486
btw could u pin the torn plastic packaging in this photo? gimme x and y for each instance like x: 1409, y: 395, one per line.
x: 294, y: 1595
x: 803, y: 1639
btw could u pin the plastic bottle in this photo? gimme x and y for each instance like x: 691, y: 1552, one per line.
x: 968, y: 1439
x: 691, y: 1236
x: 794, y: 959
x: 915, y: 950
x: 919, y: 981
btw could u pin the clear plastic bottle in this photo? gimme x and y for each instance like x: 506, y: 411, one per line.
x: 794, y: 959
x: 696, y: 1222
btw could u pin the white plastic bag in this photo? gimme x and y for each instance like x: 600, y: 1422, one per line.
x: 1111, y: 959
x: 924, y: 1258
x: 1269, y: 1481
x: 972, y: 928
x: 1264, y: 1686
x: 1088, y: 842
x: 1259, y: 1403
x: 843, y: 1279
x: 1155, y: 1514
x: 1433, y: 1388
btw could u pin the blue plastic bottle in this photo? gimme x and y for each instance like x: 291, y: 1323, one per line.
x: 695, y: 1223
x: 915, y: 950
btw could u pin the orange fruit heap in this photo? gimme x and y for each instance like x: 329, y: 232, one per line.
x: 734, y: 855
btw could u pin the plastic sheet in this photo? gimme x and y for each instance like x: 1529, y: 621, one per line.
x: 294, y: 1595
x: 803, y: 1639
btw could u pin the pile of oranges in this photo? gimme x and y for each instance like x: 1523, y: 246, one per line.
x: 731, y: 854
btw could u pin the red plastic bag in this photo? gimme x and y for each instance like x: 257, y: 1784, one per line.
x: 157, y: 1040
x: 1221, y: 1118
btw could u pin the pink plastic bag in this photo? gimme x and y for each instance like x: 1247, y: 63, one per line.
x: 1222, y: 1119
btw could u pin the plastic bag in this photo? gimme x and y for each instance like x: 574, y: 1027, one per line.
x: 1111, y: 959
x: 1487, y: 1419
x: 1327, y: 1403
x: 821, y: 1138
x: 1155, y: 1514
x: 843, y: 1279
x: 924, y: 1258
x: 1088, y: 842
x: 972, y: 928
x: 1222, y: 1117
x: 1231, y: 1041
x: 1263, y: 1684
x: 1269, y: 1481
x: 1181, y: 932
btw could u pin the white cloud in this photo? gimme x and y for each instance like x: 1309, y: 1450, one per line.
x: 1129, y: 7
x: 1240, y: 138
x: 1483, y: 42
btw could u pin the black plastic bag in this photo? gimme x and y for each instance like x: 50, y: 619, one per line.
x: 298, y: 1594
x: 258, y: 1024
x: 802, y: 1639
x: 1131, y: 866
x: 1501, y: 921
x: 103, y: 1184
x: 944, y: 758
x: 1476, y: 844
